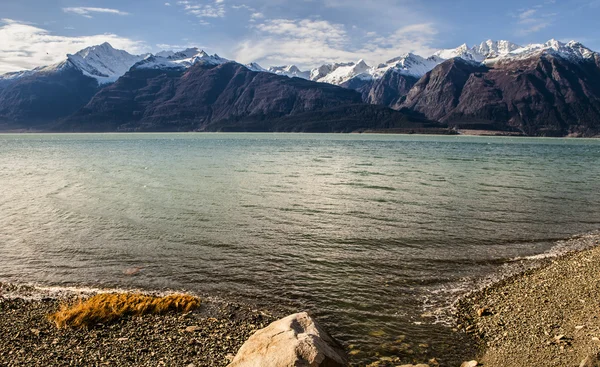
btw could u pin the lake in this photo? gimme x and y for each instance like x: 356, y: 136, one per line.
x: 376, y: 235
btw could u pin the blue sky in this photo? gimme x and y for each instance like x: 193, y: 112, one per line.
x: 272, y: 32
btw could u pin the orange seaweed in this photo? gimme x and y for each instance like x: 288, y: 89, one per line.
x: 108, y: 307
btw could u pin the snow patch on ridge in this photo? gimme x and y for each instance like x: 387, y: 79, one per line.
x: 103, y: 62
x: 342, y: 74
x: 572, y: 50
x: 179, y: 60
x: 291, y: 71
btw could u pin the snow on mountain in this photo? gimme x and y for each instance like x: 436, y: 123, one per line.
x: 103, y: 62
x: 165, y: 53
x: 255, y: 67
x: 179, y: 60
x: 409, y: 64
x: 479, y: 53
x: 572, y: 50
x: 16, y: 74
x: 487, y: 52
x: 289, y: 71
x: 463, y: 51
x: 106, y: 64
x: 342, y: 74
x: 492, y: 49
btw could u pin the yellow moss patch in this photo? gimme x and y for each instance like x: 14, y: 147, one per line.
x: 105, y: 308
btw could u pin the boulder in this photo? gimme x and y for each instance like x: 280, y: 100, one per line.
x: 294, y: 341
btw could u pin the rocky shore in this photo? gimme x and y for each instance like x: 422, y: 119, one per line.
x: 548, y: 316
x: 208, y: 336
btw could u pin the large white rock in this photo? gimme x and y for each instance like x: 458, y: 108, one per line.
x: 294, y: 341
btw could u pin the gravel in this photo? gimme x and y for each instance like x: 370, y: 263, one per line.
x: 208, y: 336
x: 549, y: 316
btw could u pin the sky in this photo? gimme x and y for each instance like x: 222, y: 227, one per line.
x: 306, y: 33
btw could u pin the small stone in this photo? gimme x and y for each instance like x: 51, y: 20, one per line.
x: 35, y: 332
x: 579, y: 327
x: 191, y: 365
x: 123, y: 339
x: 192, y: 329
x: 484, y: 311
x: 559, y: 337
x: 377, y: 333
x: 469, y: 364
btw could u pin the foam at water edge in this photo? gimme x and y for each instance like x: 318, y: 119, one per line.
x: 35, y: 292
x: 439, y: 305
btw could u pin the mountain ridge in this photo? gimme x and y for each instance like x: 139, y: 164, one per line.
x: 477, y: 86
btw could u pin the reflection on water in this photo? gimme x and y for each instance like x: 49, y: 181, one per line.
x: 360, y: 229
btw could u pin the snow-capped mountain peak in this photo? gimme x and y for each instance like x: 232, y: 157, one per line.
x: 493, y: 49
x: 408, y: 64
x: 103, y: 62
x: 461, y: 51
x: 180, y: 59
x: 187, y: 54
x: 255, y: 67
x: 341, y: 73
x: 572, y: 50
x: 289, y: 71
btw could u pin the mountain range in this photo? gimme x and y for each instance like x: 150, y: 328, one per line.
x: 549, y: 89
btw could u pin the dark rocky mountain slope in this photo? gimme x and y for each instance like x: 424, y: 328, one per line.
x: 36, y: 101
x: 389, y: 90
x: 545, y: 95
x: 227, y: 97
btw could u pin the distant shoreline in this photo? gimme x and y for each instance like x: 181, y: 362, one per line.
x: 460, y: 132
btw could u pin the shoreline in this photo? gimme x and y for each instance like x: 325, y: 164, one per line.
x: 545, y: 316
x: 535, y: 317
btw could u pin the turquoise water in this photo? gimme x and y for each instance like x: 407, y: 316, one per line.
x: 366, y: 231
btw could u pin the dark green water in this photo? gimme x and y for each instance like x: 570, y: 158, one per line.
x: 366, y: 231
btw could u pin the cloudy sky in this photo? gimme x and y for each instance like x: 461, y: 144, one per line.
x: 273, y: 32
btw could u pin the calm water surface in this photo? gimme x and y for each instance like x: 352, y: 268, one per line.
x: 367, y: 231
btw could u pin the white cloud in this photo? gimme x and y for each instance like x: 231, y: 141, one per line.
x: 534, y: 19
x: 25, y: 46
x: 214, y: 10
x: 87, y: 11
x: 167, y: 4
x: 176, y: 47
x: 309, y: 43
x: 243, y: 6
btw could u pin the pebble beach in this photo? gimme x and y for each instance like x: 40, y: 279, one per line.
x: 208, y: 336
x: 547, y: 317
